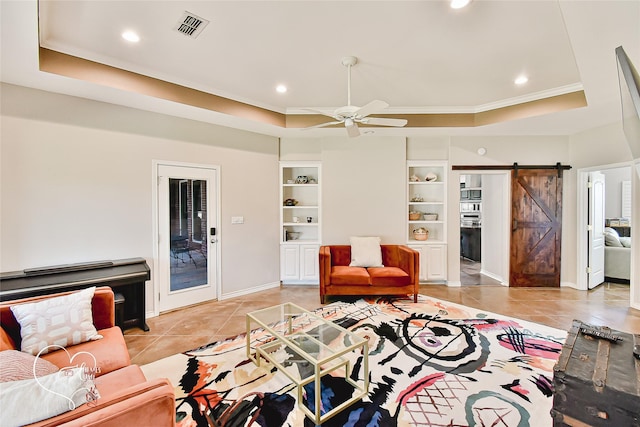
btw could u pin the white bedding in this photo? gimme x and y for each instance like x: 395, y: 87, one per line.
x: 617, y: 262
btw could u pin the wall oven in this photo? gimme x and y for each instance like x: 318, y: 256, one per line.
x: 470, y: 214
x: 470, y: 220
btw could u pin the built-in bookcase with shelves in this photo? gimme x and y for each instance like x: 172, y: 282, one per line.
x: 428, y: 198
x: 427, y: 209
x: 300, y: 221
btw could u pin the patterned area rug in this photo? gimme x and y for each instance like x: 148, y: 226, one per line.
x: 432, y: 363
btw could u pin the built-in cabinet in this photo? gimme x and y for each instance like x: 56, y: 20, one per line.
x: 299, y: 264
x: 300, y: 222
x: 427, y: 211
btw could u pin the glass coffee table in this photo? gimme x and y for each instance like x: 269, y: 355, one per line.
x: 316, y: 346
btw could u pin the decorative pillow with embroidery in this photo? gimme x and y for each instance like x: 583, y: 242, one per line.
x: 16, y: 365
x: 366, y: 252
x: 28, y: 401
x: 66, y: 320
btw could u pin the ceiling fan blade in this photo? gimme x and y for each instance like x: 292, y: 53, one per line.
x: 321, y: 112
x: 321, y: 125
x: 352, y: 128
x: 380, y: 121
x: 372, y: 107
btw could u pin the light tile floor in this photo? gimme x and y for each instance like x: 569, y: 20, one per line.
x: 198, y: 325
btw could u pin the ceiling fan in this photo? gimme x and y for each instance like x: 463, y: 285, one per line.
x: 351, y: 115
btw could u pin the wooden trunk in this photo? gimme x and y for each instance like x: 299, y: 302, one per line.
x: 597, y: 380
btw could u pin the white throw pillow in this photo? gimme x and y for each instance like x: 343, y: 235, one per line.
x: 611, y: 237
x: 366, y: 252
x: 625, y: 241
x: 63, y: 321
x: 28, y: 401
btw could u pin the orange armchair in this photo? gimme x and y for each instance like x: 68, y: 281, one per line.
x: 399, y: 276
x: 126, y: 396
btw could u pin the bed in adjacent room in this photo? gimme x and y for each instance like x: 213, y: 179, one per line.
x: 617, y: 256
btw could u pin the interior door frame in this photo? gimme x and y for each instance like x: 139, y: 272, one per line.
x: 156, y: 227
x: 505, y: 176
x: 582, y: 181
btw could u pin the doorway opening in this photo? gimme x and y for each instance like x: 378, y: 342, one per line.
x: 484, y: 237
x: 604, y: 226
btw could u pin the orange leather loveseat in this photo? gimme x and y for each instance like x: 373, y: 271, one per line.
x: 399, y: 276
x: 126, y: 396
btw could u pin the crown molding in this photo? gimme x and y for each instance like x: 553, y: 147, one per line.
x: 540, y: 103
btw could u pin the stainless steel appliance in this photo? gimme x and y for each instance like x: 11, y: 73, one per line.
x: 471, y: 220
x: 470, y: 207
x: 470, y: 214
x: 470, y: 194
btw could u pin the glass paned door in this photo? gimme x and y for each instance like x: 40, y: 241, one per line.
x: 186, y: 223
x: 187, y: 250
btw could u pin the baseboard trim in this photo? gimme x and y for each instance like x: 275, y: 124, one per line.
x: 249, y: 291
x: 570, y: 285
x: 299, y: 283
x: 494, y: 277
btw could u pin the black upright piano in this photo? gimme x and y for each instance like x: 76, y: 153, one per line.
x: 126, y: 277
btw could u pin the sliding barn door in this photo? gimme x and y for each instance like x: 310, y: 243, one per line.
x: 536, y: 227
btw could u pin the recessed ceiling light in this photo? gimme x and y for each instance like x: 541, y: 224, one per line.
x: 459, y: 4
x: 281, y: 88
x: 520, y: 80
x: 130, y: 36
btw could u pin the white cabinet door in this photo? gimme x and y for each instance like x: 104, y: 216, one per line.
x: 299, y: 264
x: 289, y: 262
x: 436, y: 259
x: 309, y: 264
x: 433, y: 262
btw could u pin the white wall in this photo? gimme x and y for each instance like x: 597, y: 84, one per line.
x: 635, y: 239
x: 603, y: 146
x: 495, y: 223
x: 613, y: 190
x: 75, y: 190
x: 363, y: 185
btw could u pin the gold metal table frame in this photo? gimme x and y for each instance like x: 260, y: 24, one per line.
x: 288, y: 328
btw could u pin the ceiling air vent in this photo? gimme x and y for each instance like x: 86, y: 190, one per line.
x: 191, y: 25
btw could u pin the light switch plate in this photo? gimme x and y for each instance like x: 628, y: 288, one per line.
x: 237, y: 220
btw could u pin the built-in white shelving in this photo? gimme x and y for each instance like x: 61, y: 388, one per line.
x: 300, y: 222
x: 427, y: 209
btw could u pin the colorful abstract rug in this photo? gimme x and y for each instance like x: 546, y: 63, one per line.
x: 432, y: 363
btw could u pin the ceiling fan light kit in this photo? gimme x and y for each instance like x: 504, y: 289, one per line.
x: 351, y: 115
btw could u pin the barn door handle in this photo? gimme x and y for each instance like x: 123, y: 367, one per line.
x: 514, y: 224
